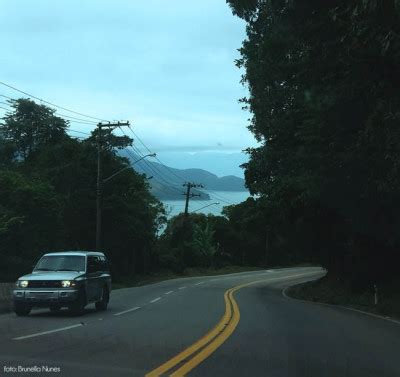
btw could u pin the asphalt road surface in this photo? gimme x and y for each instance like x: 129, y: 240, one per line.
x: 230, y: 325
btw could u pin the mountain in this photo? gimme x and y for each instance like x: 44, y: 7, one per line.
x: 210, y: 181
x: 167, y: 182
x: 219, y: 163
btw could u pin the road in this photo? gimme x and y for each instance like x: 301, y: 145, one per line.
x: 202, y: 327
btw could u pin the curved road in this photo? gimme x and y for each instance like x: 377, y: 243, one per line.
x: 230, y: 325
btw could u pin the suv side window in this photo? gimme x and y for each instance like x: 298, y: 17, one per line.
x: 104, y: 264
x: 93, y: 264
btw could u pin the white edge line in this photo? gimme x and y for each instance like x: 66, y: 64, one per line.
x: 129, y: 310
x: 155, y: 300
x: 339, y: 306
x: 202, y: 282
x: 48, y: 332
x: 181, y: 287
x: 167, y: 293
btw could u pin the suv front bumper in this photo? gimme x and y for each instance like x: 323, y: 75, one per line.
x: 44, y: 297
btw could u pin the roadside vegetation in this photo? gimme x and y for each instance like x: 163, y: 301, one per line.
x: 323, y: 84
x: 48, y: 203
x: 336, y: 291
x: 48, y: 195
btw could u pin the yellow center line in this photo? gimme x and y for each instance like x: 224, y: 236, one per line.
x: 217, y: 342
x: 197, y: 345
x: 210, y: 342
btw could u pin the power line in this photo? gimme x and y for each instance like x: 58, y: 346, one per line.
x: 69, y: 119
x: 88, y: 122
x: 153, y: 171
x: 3, y: 95
x: 168, y: 168
x: 165, y: 188
x: 218, y: 196
x: 83, y: 121
x: 152, y: 167
x: 76, y: 120
x: 158, y: 172
x: 69, y: 129
x: 50, y: 103
x: 168, y: 185
x: 79, y: 132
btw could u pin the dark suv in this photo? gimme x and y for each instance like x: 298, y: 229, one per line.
x: 71, y: 278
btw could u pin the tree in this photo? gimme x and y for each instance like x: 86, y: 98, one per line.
x: 43, y: 159
x: 30, y: 126
x: 322, y: 79
x: 203, y: 243
x: 30, y: 222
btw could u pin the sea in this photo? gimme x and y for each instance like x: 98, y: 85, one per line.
x: 223, y: 198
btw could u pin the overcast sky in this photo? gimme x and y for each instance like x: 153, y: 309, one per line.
x: 168, y: 67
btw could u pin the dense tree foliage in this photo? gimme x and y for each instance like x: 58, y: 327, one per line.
x: 196, y: 240
x: 48, y: 194
x: 323, y: 79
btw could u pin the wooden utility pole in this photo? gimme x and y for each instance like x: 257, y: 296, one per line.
x: 189, y: 195
x: 100, y: 126
x: 266, y: 247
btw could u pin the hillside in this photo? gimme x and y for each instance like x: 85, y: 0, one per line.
x: 167, y: 182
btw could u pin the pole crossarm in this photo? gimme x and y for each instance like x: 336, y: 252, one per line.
x: 188, y: 194
x: 113, y: 124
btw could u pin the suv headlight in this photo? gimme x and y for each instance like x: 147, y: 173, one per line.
x: 68, y: 283
x: 22, y: 283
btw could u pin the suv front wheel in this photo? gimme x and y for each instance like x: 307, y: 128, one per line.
x: 78, y: 306
x: 21, y: 309
x: 105, y: 297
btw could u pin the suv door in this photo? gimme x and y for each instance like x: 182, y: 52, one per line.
x: 93, y: 273
x: 106, y: 274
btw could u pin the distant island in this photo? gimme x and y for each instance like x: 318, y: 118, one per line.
x: 166, y: 182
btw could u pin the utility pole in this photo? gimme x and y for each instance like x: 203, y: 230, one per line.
x: 266, y: 246
x: 189, y: 195
x: 100, y: 126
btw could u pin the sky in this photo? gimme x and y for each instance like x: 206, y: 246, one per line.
x: 167, y: 67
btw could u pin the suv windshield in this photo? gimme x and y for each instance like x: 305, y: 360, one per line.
x: 61, y: 263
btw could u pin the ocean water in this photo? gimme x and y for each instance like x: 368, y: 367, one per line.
x: 224, y: 198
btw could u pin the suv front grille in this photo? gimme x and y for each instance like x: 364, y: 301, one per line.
x: 44, y: 284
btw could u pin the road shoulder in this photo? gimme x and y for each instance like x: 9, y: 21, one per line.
x: 315, y: 292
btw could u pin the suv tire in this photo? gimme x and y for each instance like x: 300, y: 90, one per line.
x: 105, y: 297
x: 78, y: 306
x: 22, y: 309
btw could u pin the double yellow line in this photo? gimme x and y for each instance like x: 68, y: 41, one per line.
x: 205, y: 346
